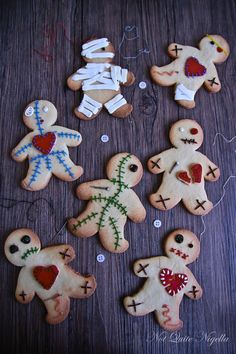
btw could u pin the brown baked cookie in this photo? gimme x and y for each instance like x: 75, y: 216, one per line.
x: 100, y: 81
x: 111, y: 201
x: 45, y: 273
x: 185, y: 170
x: 168, y: 280
x: 192, y: 68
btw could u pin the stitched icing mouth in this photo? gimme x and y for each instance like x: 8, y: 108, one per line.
x: 29, y: 252
x: 189, y: 141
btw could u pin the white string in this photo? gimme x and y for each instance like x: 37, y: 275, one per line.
x: 140, y: 51
x: 224, y: 185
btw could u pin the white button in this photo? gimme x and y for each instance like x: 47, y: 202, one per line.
x: 104, y: 138
x: 157, y: 223
x: 45, y: 109
x: 100, y: 258
x: 181, y: 129
x: 142, y: 85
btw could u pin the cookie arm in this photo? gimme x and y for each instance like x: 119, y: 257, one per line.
x: 20, y: 152
x: 130, y: 79
x: 24, y: 290
x: 65, y: 253
x: 148, y: 267
x: 73, y: 83
x: 193, y: 289
x: 211, y: 172
x: 68, y: 136
x: 175, y: 50
x: 212, y: 82
x: 87, y: 190
x: 136, y: 210
x: 158, y: 163
x: 166, y: 75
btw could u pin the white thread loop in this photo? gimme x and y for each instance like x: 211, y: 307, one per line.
x: 89, y: 48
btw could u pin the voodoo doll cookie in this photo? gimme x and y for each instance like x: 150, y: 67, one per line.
x: 45, y: 273
x: 100, y: 81
x: 192, y: 68
x: 185, y: 170
x: 111, y: 201
x: 168, y: 280
x: 46, y: 147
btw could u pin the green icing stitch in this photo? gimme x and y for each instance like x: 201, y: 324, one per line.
x: 29, y: 252
x: 84, y: 221
x: 113, y: 224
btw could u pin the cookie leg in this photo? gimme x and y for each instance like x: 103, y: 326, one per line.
x: 163, y: 199
x: 118, y: 107
x: 37, y: 177
x: 65, y: 169
x: 168, y: 317
x: 88, y: 108
x: 112, y: 236
x: 139, y: 305
x: 198, y: 203
x: 79, y: 286
x: 165, y: 75
x: 86, y: 224
x: 58, y: 308
x: 184, y: 96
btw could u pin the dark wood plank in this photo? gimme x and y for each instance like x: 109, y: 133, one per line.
x: 36, y: 65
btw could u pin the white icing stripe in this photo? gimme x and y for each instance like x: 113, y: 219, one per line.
x: 89, y: 48
x: 182, y: 93
x: 115, y: 103
x: 101, y: 76
x: 89, y: 106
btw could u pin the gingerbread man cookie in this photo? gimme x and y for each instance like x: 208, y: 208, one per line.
x: 185, y: 170
x: 100, y: 81
x: 45, y: 273
x: 168, y: 281
x: 46, y: 147
x: 192, y: 67
x: 111, y: 201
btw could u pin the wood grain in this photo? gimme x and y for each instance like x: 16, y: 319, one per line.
x: 40, y: 48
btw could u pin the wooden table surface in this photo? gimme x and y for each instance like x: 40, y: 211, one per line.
x: 40, y: 48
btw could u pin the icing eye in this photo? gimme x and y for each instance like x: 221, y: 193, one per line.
x: 13, y: 249
x: 179, y: 238
x: 29, y: 111
x: 212, y: 43
x: 193, y: 131
x: 45, y: 109
x: 219, y: 50
x: 133, y: 168
x: 190, y: 245
x: 25, y: 239
x: 103, y: 48
x: 181, y: 129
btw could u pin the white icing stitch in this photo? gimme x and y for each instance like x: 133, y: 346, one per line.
x: 89, y: 106
x: 90, y: 47
x: 75, y: 77
x: 182, y: 93
x: 101, y: 76
x: 115, y: 103
x: 29, y: 111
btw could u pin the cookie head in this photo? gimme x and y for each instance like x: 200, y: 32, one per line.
x: 186, y: 133
x: 125, y: 169
x: 21, y: 245
x: 216, y: 46
x: 182, y: 245
x: 40, y: 114
x: 98, y: 50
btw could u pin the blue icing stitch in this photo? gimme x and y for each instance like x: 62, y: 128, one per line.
x: 63, y: 163
x: 69, y: 135
x: 23, y: 149
x: 37, y: 117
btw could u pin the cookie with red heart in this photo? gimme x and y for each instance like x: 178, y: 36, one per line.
x: 192, y: 68
x: 45, y: 273
x: 168, y: 280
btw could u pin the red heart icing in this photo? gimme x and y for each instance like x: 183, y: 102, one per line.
x: 194, y: 68
x: 46, y: 276
x: 183, y: 177
x: 173, y: 282
x: 44, y: 143
x: 196, y: 172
